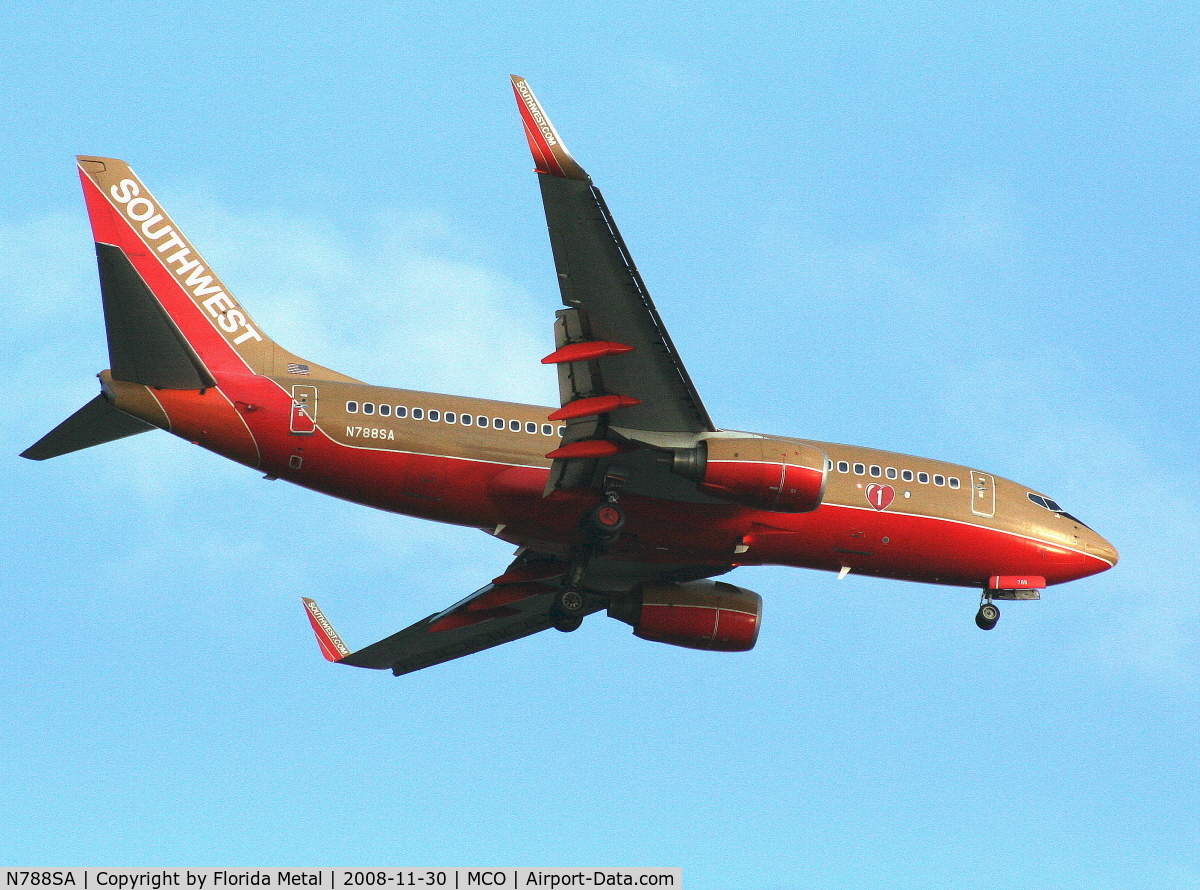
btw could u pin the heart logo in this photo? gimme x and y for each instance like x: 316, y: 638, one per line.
x: 880, y: 496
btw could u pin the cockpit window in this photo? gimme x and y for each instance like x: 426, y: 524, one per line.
x: 1046, y: 502
x: 1053, y: 507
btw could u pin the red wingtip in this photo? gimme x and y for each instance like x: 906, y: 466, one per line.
x: 331, y: 644
x: 549, y: 153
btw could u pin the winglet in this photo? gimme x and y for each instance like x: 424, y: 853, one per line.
x: 549, y: 153
x: 332, y: 646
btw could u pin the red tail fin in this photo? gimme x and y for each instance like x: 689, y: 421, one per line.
x: 171, y: 322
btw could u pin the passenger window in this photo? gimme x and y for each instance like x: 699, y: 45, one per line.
x: 562, y: 429
x: 531, y: 427
x: 514, y: 426
x: 906, y: 475
x: 498, y: 423
x: 843, y: 466
x: 860, y: 469
x: 954, y: 483
x: 435, y: 414
x: 547, y: 430
x: 876, y: 471
x: 890, y: 472
x: 939, y: 480
x: 418, y: 413
x: 352, y: 407
x: 401, y: 411
x: 385, y: 410
x: 451, y: 417
x: 481, y: 421
x: 923, y: 478
x: 466, y: 420
x: 368, y: 408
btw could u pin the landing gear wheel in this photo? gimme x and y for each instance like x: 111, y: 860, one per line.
x: 568, y: 623
x: 606, y: 518
x: 570, y: 604
x: 987, y: 616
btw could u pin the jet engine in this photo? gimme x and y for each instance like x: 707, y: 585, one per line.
x: 696, y: 615
x: 770, y: 474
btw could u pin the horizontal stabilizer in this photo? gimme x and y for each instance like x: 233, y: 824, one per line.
x: 95, y: 423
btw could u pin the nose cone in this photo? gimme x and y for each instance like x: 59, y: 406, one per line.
x: 1101, y: 549
x: 1069, y: 557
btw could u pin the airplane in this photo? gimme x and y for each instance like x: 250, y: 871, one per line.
x: 626, y: 498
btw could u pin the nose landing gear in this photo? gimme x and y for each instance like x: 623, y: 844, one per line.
x: 1006, y: 587
x: 988, y: 614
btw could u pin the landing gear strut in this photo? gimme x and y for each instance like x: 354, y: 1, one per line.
x: 988, y: 614
x: 603, y: 524
x: 606, y: 519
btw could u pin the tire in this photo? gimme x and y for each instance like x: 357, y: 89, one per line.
x: 606, y: 518
x: 987, y: 616
x: 568, y: 623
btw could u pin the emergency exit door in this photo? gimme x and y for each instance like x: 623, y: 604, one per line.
x: 983, y: 494
x: 304, y: 410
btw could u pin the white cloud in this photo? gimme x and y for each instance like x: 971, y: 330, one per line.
x: 394, y: 308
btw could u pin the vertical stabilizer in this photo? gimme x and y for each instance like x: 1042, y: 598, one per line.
x: 171, y: 321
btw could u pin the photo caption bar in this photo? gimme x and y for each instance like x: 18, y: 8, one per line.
x: 338, y: 878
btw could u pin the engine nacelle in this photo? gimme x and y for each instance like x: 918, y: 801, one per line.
x: 697, y: 615
x: 769, y: 474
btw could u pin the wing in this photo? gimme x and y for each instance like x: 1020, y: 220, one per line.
x: 517, y: 604
x: 621, y: 381
x: 628, y: 406
x: 532, y: 595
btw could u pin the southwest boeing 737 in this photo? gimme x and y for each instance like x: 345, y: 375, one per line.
x: 627, y: 497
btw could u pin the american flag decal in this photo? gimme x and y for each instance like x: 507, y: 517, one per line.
x: 294, y: 368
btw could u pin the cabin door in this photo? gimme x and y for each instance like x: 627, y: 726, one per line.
x: 983, y: 494
x: 304, y: 410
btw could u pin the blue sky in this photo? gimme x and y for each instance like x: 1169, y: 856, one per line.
x: 962, y: 233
